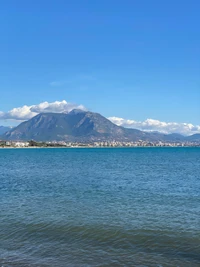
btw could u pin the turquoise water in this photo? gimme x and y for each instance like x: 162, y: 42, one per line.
x: 100, y: 207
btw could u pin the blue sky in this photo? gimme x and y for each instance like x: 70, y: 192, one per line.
x: 129, y: 59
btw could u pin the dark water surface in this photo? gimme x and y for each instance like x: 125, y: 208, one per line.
x: 100, y: 207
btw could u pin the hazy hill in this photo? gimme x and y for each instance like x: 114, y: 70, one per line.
x: 193, y: 138
x: 4, y: 129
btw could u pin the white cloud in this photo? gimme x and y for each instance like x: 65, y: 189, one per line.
x: 57, y: 83
x: 27, y: 112
x: 156, y: 125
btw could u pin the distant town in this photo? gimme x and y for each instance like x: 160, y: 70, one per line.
x: 140, y: 143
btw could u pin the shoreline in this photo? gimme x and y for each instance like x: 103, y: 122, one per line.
x: 34, y: 147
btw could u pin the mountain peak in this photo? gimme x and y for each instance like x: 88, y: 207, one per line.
x: 77, y: 111
x: 78, y: 125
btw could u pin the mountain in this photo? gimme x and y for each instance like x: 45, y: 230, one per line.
x: 4, y: 129
x: 175, y: 137
x: 82, y: 126
x: 193, y: 138
x: 77, y: 125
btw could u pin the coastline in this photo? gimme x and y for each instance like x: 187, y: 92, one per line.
x: 92, y: 147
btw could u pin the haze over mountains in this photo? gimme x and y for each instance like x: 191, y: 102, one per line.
x: 4, y: 129
x: 82, y: 126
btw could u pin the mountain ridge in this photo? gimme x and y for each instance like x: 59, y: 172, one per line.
x: 81, y: 126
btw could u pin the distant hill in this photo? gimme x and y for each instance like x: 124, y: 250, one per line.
x: 193, y: 138
x: 80, y: 126
x: 4, y: 129
x: 175, y: 137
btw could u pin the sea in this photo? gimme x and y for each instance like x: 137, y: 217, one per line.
x: 100, y: 207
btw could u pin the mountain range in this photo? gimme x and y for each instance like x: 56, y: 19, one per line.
x: 82, y: 126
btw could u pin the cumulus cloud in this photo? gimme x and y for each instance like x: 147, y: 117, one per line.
x: 27, y: 112
x: 156, y: 125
